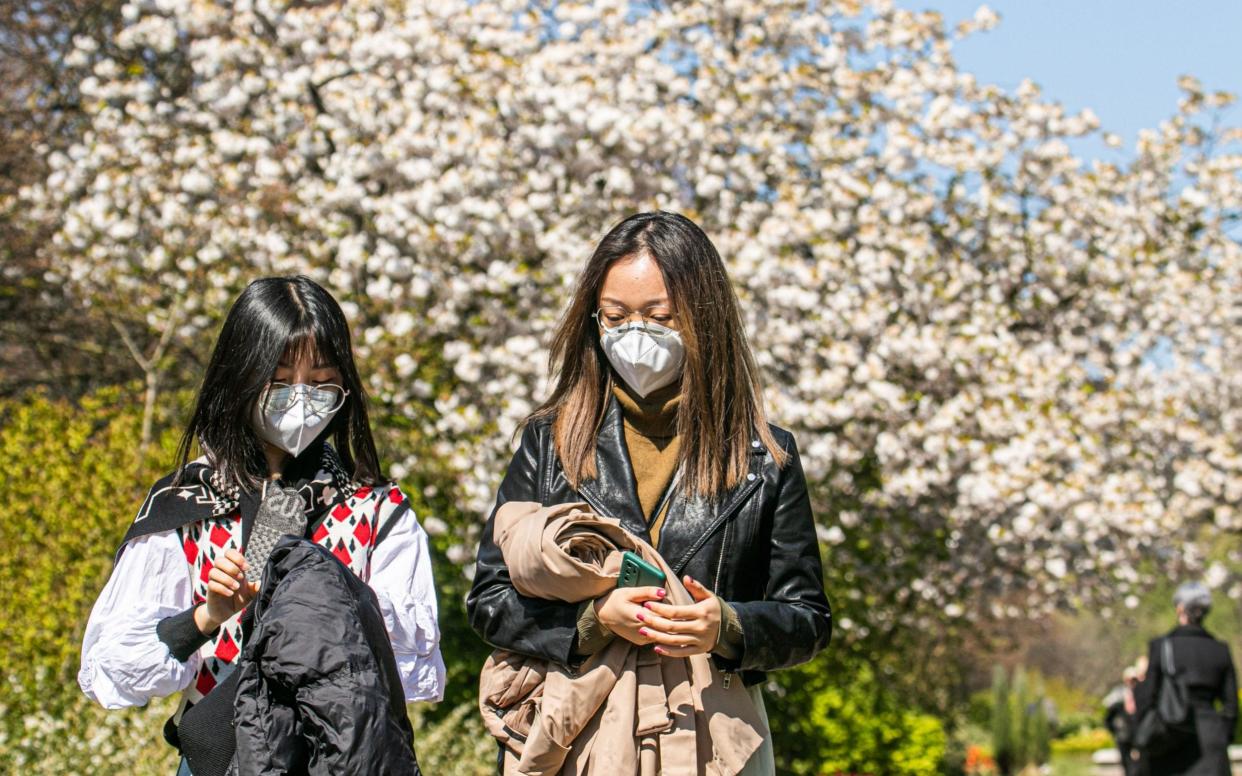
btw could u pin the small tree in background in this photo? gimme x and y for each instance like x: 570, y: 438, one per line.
x: 1020, y: 722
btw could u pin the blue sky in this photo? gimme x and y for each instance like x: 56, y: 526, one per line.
x: 1121, y: 58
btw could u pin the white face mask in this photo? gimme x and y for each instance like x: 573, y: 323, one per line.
x: 294, y: 428
x: 647, y: 356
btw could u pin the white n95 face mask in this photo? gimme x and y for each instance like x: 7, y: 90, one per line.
x: 298, y: 421
x: 647, y: 356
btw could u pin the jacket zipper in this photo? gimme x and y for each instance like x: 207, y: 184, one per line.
x: 727, y: 680
x: 698, y: 544
x: 724, y: 547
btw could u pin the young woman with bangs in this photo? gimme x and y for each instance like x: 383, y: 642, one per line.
x: 281, y: 408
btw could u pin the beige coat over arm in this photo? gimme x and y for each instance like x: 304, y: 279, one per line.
x: 626, y: 709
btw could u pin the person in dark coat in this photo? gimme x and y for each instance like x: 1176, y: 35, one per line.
x: 1206, y: 667
x: 1119, y: 718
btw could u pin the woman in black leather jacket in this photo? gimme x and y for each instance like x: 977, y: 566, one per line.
x: 657, y: 419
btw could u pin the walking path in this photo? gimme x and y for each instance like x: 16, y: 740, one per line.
x: 1107, y: 762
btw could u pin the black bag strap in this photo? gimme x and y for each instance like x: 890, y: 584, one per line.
x: 1166, y: 657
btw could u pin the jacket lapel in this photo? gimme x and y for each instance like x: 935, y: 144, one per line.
x: 614, y: 491
x: 701, y: 517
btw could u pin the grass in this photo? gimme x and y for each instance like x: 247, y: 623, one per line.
x: 1071, y: 765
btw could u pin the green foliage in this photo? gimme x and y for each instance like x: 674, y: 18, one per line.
x: 1073, y: 765
x: 455, y: 742
x: 1084, y: 741
x: 829, y: 719
x: 999, y: 722
x: 80, y: 737
x: 921, y: 664
x: 1019, y: 721
x: 72, y: 483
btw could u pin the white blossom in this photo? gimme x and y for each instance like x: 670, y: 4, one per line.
x: 983, y: 344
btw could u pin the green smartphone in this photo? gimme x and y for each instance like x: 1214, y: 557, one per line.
x: 636, y: 572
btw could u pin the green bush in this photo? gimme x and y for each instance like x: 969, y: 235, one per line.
x: 72, y: 483
x: 78, y: 736
x: 827, y: 719
x: 455, y: 743
x: 1020, y: 724
x: 1084, y: 741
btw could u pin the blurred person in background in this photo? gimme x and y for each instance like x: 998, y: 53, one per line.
x: 1119, y: 718
x: 1204, y: 665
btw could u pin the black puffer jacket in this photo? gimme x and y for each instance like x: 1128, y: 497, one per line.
x: 318, y: 691
x: 755, y: 547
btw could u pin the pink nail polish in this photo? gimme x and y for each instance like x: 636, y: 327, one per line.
x: 660, y: 650
x: 642, y: 631
x: 640, y: 616
x: 661, y: 592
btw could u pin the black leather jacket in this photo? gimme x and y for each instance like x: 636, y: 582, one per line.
x: 755, y: 547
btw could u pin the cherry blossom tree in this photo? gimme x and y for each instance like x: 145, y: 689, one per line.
x: 1011, y: 370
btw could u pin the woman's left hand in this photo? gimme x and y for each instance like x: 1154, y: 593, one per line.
x: 682, y: 631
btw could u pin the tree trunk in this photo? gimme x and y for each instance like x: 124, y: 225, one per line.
x: 148, y: 409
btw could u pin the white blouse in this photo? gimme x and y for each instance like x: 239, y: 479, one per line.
x: 124, y: 663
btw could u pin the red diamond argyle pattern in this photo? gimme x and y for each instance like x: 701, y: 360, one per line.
x: 226, y: 647
x: 348, y: 531
x: 205, y: 683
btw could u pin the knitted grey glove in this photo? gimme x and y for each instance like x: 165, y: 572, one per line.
x: 281, y: 512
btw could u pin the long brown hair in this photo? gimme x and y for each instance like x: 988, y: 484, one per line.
x: 721, y: 409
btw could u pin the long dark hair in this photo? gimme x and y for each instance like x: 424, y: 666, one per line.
x: 274, y: 317
x: 721, y: 408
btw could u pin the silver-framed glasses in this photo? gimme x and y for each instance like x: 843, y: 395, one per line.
x: 658, y: 321
x: 323, y: 399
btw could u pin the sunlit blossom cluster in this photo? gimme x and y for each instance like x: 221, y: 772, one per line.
x: 1013, y: 372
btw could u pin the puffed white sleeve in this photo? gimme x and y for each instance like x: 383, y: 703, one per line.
x: 402, y: 580
x: 124, y: 662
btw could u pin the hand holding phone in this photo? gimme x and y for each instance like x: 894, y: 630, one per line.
x: 636, y: 572
x: 621, y: 609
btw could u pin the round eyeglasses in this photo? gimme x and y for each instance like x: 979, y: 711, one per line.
x: 658, y: 322
x: 319, y: 399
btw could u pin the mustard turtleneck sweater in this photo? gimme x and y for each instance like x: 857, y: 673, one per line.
x: 651, y: 438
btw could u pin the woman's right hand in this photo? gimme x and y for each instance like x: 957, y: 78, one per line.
x: 228, y: 592
x: 621, y: 611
